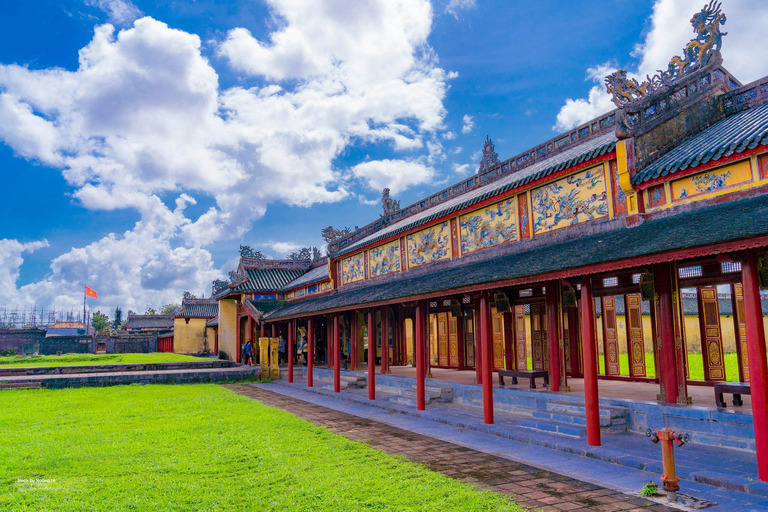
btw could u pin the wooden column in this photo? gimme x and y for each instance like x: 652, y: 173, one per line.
x: 310, y: 352
x: 591, y: 398
x: 758, y: 368
x: 419, y: 340
x: 291, y: 335
x: 353, y: 352
x: 251, y: 330
x: 486, y: 358
x: 633, y: 316
x: 478, y: 345
x: 371, y: 355
x: 740, y: 330
x: 384, y: 340
x: 553, y: 333
x: 666, y: 332
x: 509, y: 339
x: 336, y: 357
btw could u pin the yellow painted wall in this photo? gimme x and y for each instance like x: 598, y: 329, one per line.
x: 189, y: 338
x: 228, y: 328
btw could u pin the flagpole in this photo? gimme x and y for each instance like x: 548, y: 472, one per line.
x: 85, y: 326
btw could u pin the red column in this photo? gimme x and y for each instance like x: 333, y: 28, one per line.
x: 262, y: 327
x: 758, y: 369
x: 310, y: 352
x: 591, y: 400
x: 665, y: 330
x: 371, y: 355
x: 487, y: 359
x: 553, y: 333
x: 419, y: 340
x: 291, y: 335
x: 336, y: 358
x: 239, y: 341
x: 353, y: 341
x: 509, y: 339
x: 328, y: 343
x: 478, y: 345
x: 274, y: 330
x: 249, y: 336
x: 384, y: 340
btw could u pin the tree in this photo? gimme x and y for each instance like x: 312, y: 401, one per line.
x: 151, y: 311
x: 100, y: 322
x: 170, y: 309
x: 118, y: 321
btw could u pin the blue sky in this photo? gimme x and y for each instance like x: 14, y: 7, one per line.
x: 141, y: 143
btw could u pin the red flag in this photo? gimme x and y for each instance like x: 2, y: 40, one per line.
x: 91, y: 293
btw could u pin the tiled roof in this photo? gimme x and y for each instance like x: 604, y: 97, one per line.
x: 313, y: 276
x: 162, y: 322
x: 199, y: 308
x: 735, y: 134
x: 586, y: 151
x: 267, y: 306
x: 268, y: 279
x: 725, y: 222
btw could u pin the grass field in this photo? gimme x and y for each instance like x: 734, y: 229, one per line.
x: 85, y: 359
x: 199, y: 447
x: 695, y: 366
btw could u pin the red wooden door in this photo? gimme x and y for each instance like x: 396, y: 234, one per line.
x: 610, y: 337
x: 711, y: 338
x: 635, y: 341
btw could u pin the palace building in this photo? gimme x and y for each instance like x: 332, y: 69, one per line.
x: 610, y: 257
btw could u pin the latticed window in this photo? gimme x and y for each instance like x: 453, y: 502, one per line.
x: 693, y: 271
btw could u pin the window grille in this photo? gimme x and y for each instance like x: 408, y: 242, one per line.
x: 635, y: 278
x: 466, y: 300
x: 694, y: 271
x: 610, y: 281
x: 528, y: 292
x: 447, y: 302
x: 433, y: 304
x: 731, y: 266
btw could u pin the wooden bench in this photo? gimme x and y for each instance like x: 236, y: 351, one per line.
x: 735, y: 388
x: 531, y: 375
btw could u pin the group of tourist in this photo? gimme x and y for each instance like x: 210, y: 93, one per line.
x: 300, y: 348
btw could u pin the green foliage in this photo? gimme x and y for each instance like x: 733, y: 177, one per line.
x: 9, y: 352
x: 695, y: 366
x: 100, y: 322
x: 151, y: 311
x: 650, y: 489
x: 118, y: 321
x: 170, y: 309
x: 86, y: 359
x: 148, y: 448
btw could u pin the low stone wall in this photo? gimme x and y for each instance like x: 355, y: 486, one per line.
x: 22, y: 341
x: 113, y: 368
x: 77, y: 344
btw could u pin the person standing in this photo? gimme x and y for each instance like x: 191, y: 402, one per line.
x: 248, y: 353
x: 281, y: 347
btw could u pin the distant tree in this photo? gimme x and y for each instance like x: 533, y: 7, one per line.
x: 151, y: 311
x: 100, y: 322
x: 118, y: 321
x: 170, y: 309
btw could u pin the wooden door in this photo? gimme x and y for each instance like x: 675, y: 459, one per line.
x: 453, y: 341
x: 635, y: 342
x: 522, y: 357
x: 566, y: 342
x: 469, y: 340
x: 711, y: 337
x: 538, y: 335
x: 442, y: 339
x: 610, y: 337
x: 497, y: 324
x: 574, y: 341
x: 740, y: 329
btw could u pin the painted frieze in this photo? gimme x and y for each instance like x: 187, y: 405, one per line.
x: 571, y: 200
x: 489, y: 227
x: 710, y: 182
x: 619, y: 197
x: 353, y: 268
x: 762, y: 166
x: 429, y: 245
x: 525, y: 223
x: 385, y: 259
x: 657, y: 196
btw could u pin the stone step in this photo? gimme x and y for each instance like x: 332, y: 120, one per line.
x: 554, y: 427
x: 346, y: 381
x: 20, y: 385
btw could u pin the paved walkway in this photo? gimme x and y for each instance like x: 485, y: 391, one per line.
x: 530, y: 487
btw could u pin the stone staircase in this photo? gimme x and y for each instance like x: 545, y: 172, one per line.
x: 346, y: 382
x: 407, y: 396
x: 569, y: 419
x: 20, y: 385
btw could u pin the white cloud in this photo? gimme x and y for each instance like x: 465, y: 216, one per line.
x: 144, y: 117
x: 467, y: 124
x: 119, y: 11
x: 461, y: 169
x: 454, y: 7
x: 449, y: 135
x: 670, y: 31
x: 397, y: 175
x: 280, y: 249
x: 10, y: 264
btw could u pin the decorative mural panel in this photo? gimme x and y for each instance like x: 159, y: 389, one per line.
x: 403, y: 263
x: 325, y: 286
x: 454, y: 237
x: 711, y: 339
x: 633, y: 304
x: 385, y: 259
x: 610, y: 337
x: 737, y: 296
x: 525, y: 222
x: 576, y: 198
x: 353, y: 268
x: 762, y: 166
x: 429, y: 245
x: 709, y: 182
x: 657, y: 196
x: 489, y: 227
x: 619, y: 197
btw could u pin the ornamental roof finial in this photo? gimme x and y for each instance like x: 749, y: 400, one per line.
x: 490, y: 157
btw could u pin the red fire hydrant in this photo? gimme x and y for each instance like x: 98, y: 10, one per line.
x: 667, y: 437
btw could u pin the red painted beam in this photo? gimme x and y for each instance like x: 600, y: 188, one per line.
x: 371, y: 355
x: 758, y: 368
x: 589, y: 357
x: 486, y: 358
x: 419, y: 325
x: 336, y: 357
x: 310, y: 352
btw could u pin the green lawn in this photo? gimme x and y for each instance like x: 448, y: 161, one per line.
x: 85, y: 359
x: 695, y: 366
x: 199, y: 447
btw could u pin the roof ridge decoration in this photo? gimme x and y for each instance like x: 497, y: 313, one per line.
x: 490, y: 157
x: 697, y: 53
x: 330, y: 234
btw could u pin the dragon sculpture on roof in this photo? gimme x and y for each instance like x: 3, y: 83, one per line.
x: 329, y: 234
x: 706, y: 25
